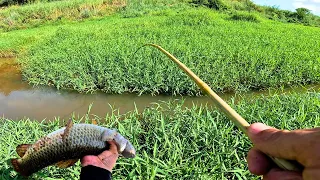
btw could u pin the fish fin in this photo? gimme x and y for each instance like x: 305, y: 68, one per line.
x: 93, y: 121
x: 41, y: 143
x: 67, y: 130
x: 66, y: 163
x: 22, y: 149
x: 16, y: 166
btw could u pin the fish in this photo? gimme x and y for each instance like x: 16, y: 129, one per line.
x: 65, y: 146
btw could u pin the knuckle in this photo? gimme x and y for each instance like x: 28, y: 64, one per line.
x: 271, y: 135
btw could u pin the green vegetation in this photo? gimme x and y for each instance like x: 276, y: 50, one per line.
x: 175, y: 143
x: 21, y: 2
x: 89, y: 45
x: 243, y: 50
x: 18, y: 41
x: 301, y: 16
x: 40, y: 12
x: 244, y: 16
x: 32, y: 15
x: 228, y: 55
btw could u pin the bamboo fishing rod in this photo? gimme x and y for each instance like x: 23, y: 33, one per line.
x: 239, y: 121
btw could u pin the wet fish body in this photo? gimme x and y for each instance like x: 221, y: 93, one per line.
x: 67, y: 145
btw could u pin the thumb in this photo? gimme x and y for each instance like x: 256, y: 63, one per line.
x: 275, y: 142
x: 113, y: 147
x: 279, y: 174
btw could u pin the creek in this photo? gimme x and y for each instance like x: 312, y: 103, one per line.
x: 20, y: 100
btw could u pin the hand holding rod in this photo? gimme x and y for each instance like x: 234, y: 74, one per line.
x: 241, y: 123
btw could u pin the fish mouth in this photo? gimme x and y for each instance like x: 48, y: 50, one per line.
x: 129, y: 154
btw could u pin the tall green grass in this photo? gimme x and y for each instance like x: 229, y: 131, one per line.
x: 17, y: 42
x: 172, y: 142
x: 228, y: 55
x: 300, y: 16
x: 22, y: 26
x: 41, y: 13
x: 65, y: 12
x: 244, y: 16
x: 139, y: 8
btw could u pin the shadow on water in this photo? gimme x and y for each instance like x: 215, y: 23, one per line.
x: 19, y: 100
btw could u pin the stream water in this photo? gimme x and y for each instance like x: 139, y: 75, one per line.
x: 19, y: 100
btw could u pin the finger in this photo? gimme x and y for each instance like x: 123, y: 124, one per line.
x: 87, y: 160
x: 113, y: 147
x: 112, y: 158
x: 278, y: 174
x: 311, y: 173
x: 277, y: 143
x: 113, y: 150
x: 110, y: 161
x: 258, y: 162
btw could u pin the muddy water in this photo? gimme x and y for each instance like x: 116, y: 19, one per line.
x: 19, y: 100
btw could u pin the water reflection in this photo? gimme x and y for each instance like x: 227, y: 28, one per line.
x: 10, y: 77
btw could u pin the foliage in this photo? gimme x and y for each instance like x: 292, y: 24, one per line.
x: 41, y: 12
x: 173, y: 142
x: 214, y: 4
x: 222, y: 5
x: 228, y: 55
x: 32, y: 15
x: 21, y: 2
x: 302, y: 15
x: 244, y: 16
x: 152, y: 7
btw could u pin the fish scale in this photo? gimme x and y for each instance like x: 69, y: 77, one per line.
x: 67, y: 145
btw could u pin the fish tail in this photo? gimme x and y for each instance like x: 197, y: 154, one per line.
x: 16, y: 166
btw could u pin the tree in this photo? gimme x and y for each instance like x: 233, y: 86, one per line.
x: 303, y: 13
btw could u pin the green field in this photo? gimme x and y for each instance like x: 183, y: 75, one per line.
x: 39, y: 14
x: 175, y: 143
x: 229, y: 55
x: 232, y: 50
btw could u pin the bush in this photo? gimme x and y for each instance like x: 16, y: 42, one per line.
x: 302, y: 16
x: 191, y: 18
x: 12, y: 2
x: 242, y: 16
x: 213, y: 4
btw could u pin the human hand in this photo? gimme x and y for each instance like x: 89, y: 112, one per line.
x: 300, y: 145
x: 106, y: 160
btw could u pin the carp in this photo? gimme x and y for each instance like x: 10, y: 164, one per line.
x: 64, y: 147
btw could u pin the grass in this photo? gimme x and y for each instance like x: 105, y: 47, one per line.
x: 33, y: 23
x: 39, y: 14
x: 19, y: 41
x: 65, y: 12
x: 175, y: 143
x: 244, y: 16
x: 231, y: 52
x: 228, y: 55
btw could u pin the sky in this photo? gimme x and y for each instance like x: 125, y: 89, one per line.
x: 313, y: 5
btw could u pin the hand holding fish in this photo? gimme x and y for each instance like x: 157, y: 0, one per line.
x: 106, y: 160
x: 300, y: 145
x: 66, y: 146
